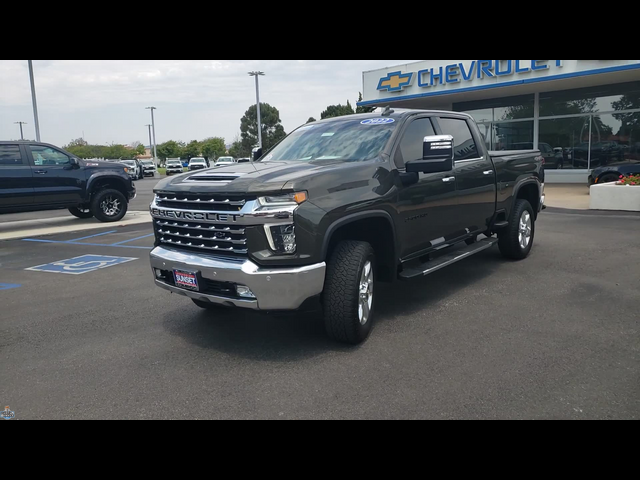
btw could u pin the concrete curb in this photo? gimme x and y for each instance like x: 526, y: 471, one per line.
x: 49, y: 226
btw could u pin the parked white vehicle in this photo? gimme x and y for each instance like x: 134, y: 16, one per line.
x: 225, y: 161
x: 149, y: 168
x: 174, y: 165
x: 197, y: 163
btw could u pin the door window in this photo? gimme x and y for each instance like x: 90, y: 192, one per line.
x: 10, y: 156
x: 411, y: 145
x: 47, y: 156
x: 464, y: 146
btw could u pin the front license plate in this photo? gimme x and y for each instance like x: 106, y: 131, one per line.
x: 188, y: 280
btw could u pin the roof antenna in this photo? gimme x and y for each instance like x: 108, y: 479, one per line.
x: 387, y: 111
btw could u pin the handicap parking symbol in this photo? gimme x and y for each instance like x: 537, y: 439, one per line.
x: 82, y: 264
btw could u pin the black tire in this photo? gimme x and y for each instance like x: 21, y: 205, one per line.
x: 81, y: 212
x: 609, y: 177
x: 207, y: 305
x: 105, y: 208
x: 341, y: 293
x: 509, y: 239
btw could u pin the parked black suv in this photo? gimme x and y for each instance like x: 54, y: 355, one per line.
x: 40, y: 176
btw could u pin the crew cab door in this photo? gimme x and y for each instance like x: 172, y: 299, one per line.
x: 56, y: 181
x: 475, y: 177
x: 16, y: 186
x: 424, y: 207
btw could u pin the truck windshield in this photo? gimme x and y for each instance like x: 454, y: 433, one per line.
x: 346, y: 140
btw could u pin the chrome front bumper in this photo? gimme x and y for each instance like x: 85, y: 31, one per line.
x: 274, y: 288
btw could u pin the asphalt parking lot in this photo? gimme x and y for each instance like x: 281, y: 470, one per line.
x: 554, y: 336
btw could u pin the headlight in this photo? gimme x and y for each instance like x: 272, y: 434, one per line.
x: 282, y: 238
x: 288, y: 200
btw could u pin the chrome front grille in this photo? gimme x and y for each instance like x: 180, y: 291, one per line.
x: 196, y: 202
x: 201, y: 236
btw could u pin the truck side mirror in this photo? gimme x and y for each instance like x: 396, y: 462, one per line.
x: 257, y: 153
x: 437, y: 155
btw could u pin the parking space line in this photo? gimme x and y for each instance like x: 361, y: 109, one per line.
x: 132, y: 239
x: 81, y: 243
x: 91, y: 236
x: 7, y: 286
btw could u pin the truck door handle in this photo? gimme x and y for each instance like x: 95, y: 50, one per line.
x: 488, y: 172
x: 448, y: 179
x: 40, y: 172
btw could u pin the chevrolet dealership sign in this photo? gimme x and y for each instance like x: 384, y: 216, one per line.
x: 442, y: 77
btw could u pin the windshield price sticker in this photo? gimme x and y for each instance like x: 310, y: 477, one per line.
x: 377, y: 121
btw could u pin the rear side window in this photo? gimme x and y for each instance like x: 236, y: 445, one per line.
x: 10, y: 156
x: 411, y: 145
x: 463, y: 144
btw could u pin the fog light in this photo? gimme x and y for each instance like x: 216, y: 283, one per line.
x: 282, y: 238
x: 244, y: 291
x: 158, y: 273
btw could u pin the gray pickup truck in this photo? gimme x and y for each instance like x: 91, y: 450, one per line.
x: 338, y: 206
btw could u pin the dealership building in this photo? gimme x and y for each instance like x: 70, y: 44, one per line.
x: 581, y: 114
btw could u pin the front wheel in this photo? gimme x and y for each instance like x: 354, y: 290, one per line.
x: 348, y: 292
x: 516, y: 240
x: 81, y: 212
x: 109, y: 205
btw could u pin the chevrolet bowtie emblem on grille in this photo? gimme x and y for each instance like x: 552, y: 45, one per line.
x: 395, y: 81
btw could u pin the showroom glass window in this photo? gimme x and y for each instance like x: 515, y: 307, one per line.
x: 506, y: 123
x: 598, y: 126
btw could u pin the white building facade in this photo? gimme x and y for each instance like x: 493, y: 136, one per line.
x: 581, y: 114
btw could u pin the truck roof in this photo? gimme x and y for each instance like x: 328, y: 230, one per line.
x: 397, y: 114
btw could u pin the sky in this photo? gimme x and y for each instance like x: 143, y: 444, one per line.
x: 104, y: 100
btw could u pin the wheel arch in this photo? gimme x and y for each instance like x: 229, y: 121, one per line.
x: 529, y: 190
x: 102, y: 182
x: 375, y: 227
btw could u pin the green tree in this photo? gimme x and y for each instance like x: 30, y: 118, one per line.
x: 192, y: 149
x: 213, y: 147
x: 139, y: 150
x: 363, y: 109
x: 169, y: 149
x: 272, y: 129
x: 78, y: 142
x: 117, y: 151
x: 337, y: 110
x: 311, y: 119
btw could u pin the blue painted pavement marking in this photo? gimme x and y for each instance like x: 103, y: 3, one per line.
x: 132, y: 239
x: 69, y: 242
x: 81, y: 264
x: 91, y: 236
x: 7, y: 286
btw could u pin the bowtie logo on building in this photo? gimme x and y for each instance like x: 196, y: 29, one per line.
x: 7, y: 414
x: 395, y: 81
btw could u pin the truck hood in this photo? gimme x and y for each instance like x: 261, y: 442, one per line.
x: 256, y: 178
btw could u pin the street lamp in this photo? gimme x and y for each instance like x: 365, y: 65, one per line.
x: 21, y: 123
x: 257, y: 74
x: 33, y: 98
x: 149, y: 125
x: 153, y: 126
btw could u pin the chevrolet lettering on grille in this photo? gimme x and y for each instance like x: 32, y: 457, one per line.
x: 202, y: 216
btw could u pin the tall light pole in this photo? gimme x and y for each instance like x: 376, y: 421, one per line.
x: 21, y: 123
x: 257, y: 74
x: 33, y: 98
x: 153, y: 127
x: 149, y: 125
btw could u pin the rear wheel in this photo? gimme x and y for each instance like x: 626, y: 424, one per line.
x: 609, y: 177
x: 81, y: 212
x: 348, y: 292
x: 516, y: 240
x: 109, y: 205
